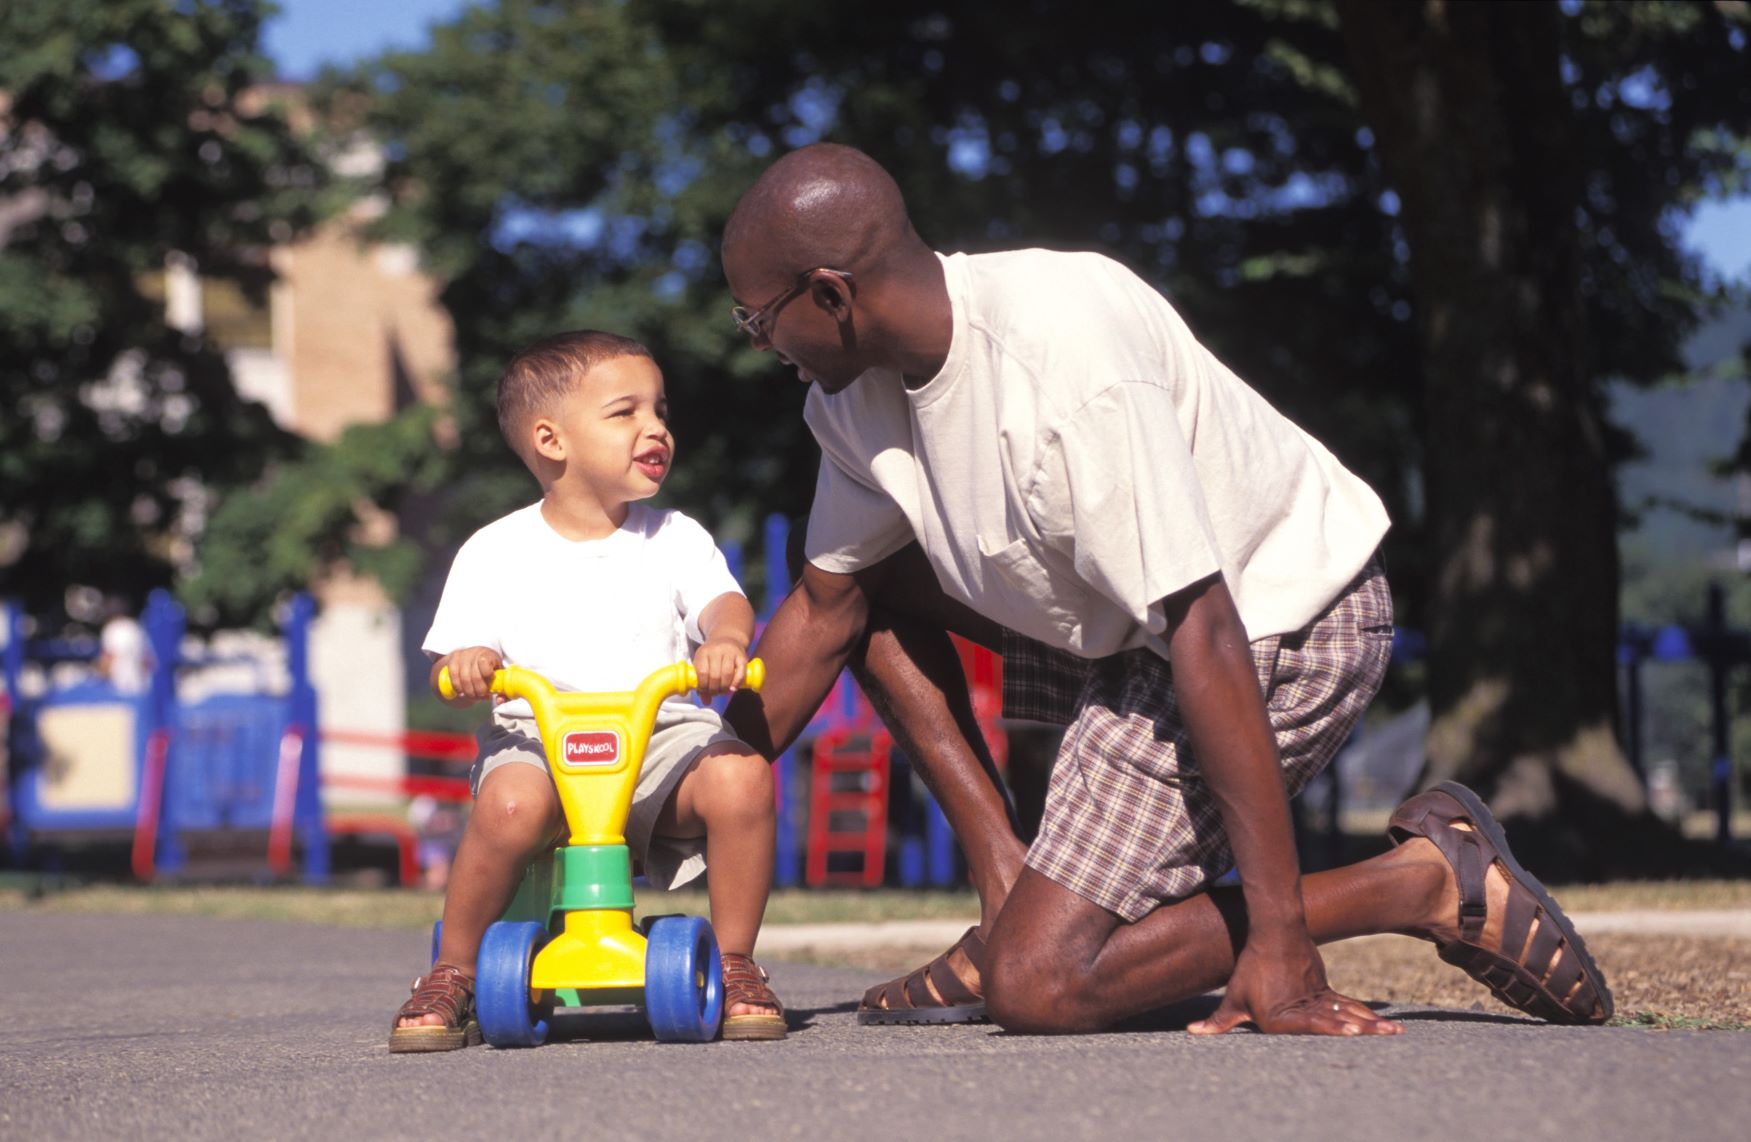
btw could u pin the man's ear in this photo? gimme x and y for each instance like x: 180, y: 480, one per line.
x: 545, y: 435
x: 832, y: 295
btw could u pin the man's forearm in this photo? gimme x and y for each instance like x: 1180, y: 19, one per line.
x: 805, y: 646
x: 1236, y: 752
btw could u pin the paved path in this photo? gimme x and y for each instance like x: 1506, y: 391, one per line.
x: 198, y: 1028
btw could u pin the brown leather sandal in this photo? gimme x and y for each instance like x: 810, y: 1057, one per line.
x: 939, y: 992
x: 1550, y: 975
x: 747, y: 982
x: 446, y: 992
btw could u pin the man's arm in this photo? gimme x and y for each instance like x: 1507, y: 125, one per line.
x: 1279, y: 979
x: 805, y: 646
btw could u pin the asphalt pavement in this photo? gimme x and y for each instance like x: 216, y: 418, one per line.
x: 157, y: 1026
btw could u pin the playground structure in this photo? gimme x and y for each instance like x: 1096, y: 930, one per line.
x: 238, y: 765
x: 157, y: 769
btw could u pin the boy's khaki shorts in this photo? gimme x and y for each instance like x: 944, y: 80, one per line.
x: 1129, y: 822
x: 682, y: 731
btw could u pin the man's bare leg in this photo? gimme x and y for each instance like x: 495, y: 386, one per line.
x: 913, y: 676
x: 1058, y: 963
x: 888, y: 623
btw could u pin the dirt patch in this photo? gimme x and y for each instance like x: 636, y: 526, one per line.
x: 1674, y: 982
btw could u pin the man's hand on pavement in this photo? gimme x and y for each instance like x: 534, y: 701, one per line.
x: 1284, y: 992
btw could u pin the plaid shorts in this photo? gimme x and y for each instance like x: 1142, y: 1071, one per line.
x: 1128, y: 822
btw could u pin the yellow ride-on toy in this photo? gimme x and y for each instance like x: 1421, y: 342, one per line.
x: 568, y: 939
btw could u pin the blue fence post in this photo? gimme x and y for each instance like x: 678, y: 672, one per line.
x: 732, y: 552
x: 307, y: 816
x: 787, y: 860
x: 13, y: 655
x: 165, y: 621
x: 940, y: 841
x: 12, y: 660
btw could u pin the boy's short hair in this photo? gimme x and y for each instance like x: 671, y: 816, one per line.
x: 542, y: 375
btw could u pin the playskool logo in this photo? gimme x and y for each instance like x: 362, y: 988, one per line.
x: 591, y: 749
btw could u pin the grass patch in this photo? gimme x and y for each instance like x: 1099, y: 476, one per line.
x: 1667, y: 1021
x: 397, y: 908
x: 1655, y: 896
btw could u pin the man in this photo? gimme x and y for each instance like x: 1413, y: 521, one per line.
x: 1031, y: 450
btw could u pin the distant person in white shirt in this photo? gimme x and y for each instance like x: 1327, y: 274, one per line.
x: 122, y: 655
x: 594, y: 590
x: 1032, y: 450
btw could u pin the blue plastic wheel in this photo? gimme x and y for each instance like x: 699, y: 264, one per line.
x: 683, y: 980
x: 437, y: 938
x: 509, y: 1017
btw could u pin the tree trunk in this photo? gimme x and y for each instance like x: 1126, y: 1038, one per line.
x: 1469, y: 115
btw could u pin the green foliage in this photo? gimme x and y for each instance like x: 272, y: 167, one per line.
x: 572, y: 165
x: 305, y: 519
x: 565, y: 165
x: 129, y: 130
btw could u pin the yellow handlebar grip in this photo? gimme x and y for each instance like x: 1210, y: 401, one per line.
x: 448, y: 689
x: 755, y: 676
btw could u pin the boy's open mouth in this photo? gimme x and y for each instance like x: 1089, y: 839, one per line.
x: 653, y: 463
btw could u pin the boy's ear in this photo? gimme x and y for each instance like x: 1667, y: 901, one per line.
x: 544, y: 434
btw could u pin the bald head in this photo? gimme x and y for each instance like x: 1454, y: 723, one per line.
x: 823, y: 205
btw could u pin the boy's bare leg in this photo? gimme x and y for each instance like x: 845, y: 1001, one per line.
x: 1059, y: 963
x: 516, y: 816
x: 727, y: 798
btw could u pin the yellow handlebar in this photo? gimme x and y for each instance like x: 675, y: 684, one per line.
x: 678, y: 678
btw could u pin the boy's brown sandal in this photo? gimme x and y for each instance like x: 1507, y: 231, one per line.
x: 446, y: 992
x: 1539, y: 965
x: 746, y: 982
x: 945, y: 990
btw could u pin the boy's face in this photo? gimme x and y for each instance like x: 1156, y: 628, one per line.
x: 612, y: 432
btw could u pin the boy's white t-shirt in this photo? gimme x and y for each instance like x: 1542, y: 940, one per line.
x: 1078, y: 458
x: 596, y: 615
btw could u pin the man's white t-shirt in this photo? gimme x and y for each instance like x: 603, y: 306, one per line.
x: 1078, y: 458
x: 596, y: 615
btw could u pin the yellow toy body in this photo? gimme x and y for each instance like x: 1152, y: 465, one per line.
x: 595, y: 745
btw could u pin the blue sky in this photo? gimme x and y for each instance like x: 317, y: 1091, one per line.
x: 309, y: 33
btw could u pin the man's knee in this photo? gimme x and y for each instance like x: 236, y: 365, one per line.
x: 1030, y: 991
x: 1040, y: 960
x: 1021, y: 994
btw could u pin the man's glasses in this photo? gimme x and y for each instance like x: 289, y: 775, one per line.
x: 756, y: 322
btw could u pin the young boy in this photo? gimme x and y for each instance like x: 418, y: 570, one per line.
x: 595, y: 590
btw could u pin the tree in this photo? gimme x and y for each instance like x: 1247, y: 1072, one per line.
x: 1520, y: 139
x: 131, y: 132
x: 1259, y: 160
x: 565, y: 165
